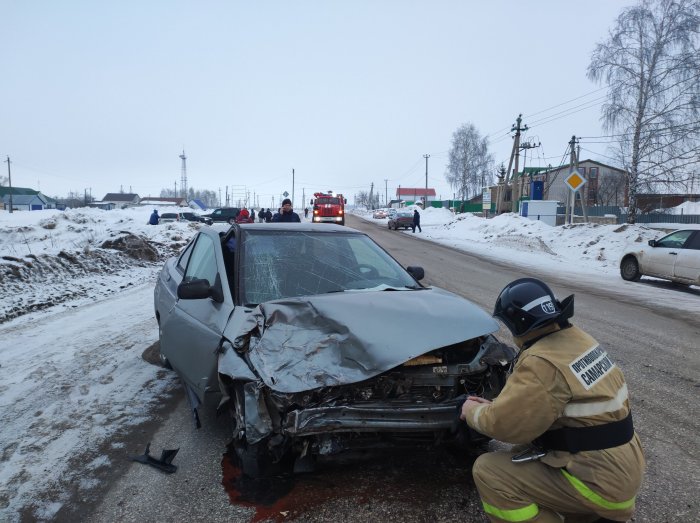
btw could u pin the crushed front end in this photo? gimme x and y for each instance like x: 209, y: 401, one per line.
x: 414, y: 403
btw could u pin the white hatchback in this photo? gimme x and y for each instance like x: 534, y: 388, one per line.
x: 674, y: 257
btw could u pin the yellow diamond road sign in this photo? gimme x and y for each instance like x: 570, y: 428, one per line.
x: 574, y: 181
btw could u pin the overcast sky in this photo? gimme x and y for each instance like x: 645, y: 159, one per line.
x: 104, y: 96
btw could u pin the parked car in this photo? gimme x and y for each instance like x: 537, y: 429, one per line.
x: 401, y: 219
x: 675, y: 257
x: 292, y: 328
x: 379, y: 214
x: 168, y: 217
x: 194, y: 217
x: 223, y: 214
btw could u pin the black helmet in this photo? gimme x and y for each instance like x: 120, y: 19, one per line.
x: 528, y: 304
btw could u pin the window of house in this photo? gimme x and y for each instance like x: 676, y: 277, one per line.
x: 582, y: 171
x: 593, y: 172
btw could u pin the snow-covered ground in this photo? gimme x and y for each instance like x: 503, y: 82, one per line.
x: 69, y: 387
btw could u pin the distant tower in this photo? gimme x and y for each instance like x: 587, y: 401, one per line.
x: 183, y: 178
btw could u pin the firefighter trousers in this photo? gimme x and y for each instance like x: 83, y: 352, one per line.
x: 534, y: 491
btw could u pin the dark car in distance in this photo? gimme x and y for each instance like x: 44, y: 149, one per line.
x: 168, y: 217
x: 194, y: 217
x: 401, y: 219
x: 223, y: 214
x: 315, y: 339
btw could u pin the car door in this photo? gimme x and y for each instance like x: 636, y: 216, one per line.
x: 660, y: 259
x: 193, y: 331
x: 687, y: 264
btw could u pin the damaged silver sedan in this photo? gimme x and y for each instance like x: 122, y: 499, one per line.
x: 318, y: 341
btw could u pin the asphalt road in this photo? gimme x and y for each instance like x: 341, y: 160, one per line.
x: 656, y: 349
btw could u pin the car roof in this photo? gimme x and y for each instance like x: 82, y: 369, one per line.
x: 297, y: 227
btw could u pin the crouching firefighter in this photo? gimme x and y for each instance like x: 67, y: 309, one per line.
x: 567, y: 403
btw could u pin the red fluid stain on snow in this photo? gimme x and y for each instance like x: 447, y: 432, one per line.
x: 409, y: 478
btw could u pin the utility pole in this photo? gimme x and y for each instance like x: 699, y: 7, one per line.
x: 524, y: 147
x: 386, y: 193
x: 371, y: 197
x: 425, y: 201
x: 9, y: 181
x: 514, y: 155
x: 571, y: 199
x: 584, y: 200
x: 292, y: 188
x: 500, y: 186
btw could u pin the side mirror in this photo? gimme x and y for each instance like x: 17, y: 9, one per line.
x: 417, y: 272
x: 200, y: 289
x: 652, y: 243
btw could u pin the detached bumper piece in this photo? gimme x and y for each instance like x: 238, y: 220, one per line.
x: 370, y: 418
x: 164, y: 463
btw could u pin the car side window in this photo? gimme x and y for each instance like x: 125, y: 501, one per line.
x: 202, y: 264
x: 184, y: 258
x: 674, y: 240
x: 694, y: 242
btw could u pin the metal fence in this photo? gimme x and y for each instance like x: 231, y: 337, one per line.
x: 659, y: 217
x: 653, y: 217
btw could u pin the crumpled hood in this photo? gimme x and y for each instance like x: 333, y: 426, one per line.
x: 303, y: 343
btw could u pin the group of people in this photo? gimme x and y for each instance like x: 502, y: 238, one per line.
x: 284, y: 214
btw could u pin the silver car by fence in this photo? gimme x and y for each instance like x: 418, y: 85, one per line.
x: 318, y: 341
x: 674, y: 257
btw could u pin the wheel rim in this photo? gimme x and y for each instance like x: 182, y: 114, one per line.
x: 630, y: 269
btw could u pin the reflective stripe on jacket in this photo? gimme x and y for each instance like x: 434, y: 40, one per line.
x: 567, y: 379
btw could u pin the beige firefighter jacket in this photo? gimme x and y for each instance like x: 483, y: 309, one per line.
x: 567, y: 379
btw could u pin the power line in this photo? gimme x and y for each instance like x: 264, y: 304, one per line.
x: 552, y: 107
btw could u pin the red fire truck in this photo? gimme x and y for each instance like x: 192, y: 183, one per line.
x: 329, y: 207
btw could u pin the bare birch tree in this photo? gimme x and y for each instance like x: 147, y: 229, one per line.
x: 651, y: 64
x: 470, y: 166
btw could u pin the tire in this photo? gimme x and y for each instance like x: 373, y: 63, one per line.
x: 231, y: 221
x: 255, y: 460
x: 163, y: 359
x: 629, y: 269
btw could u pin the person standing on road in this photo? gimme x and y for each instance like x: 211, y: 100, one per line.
x: 154, y: 219
x: 286, y: 213
x: 416, y: 221
x: 306, y: 212
x: 268, y: 215
x: 569, y: 402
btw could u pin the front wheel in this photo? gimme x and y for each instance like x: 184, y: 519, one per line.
x: 256, y: 460
x: 231, y: 221
x: 629, y: 269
